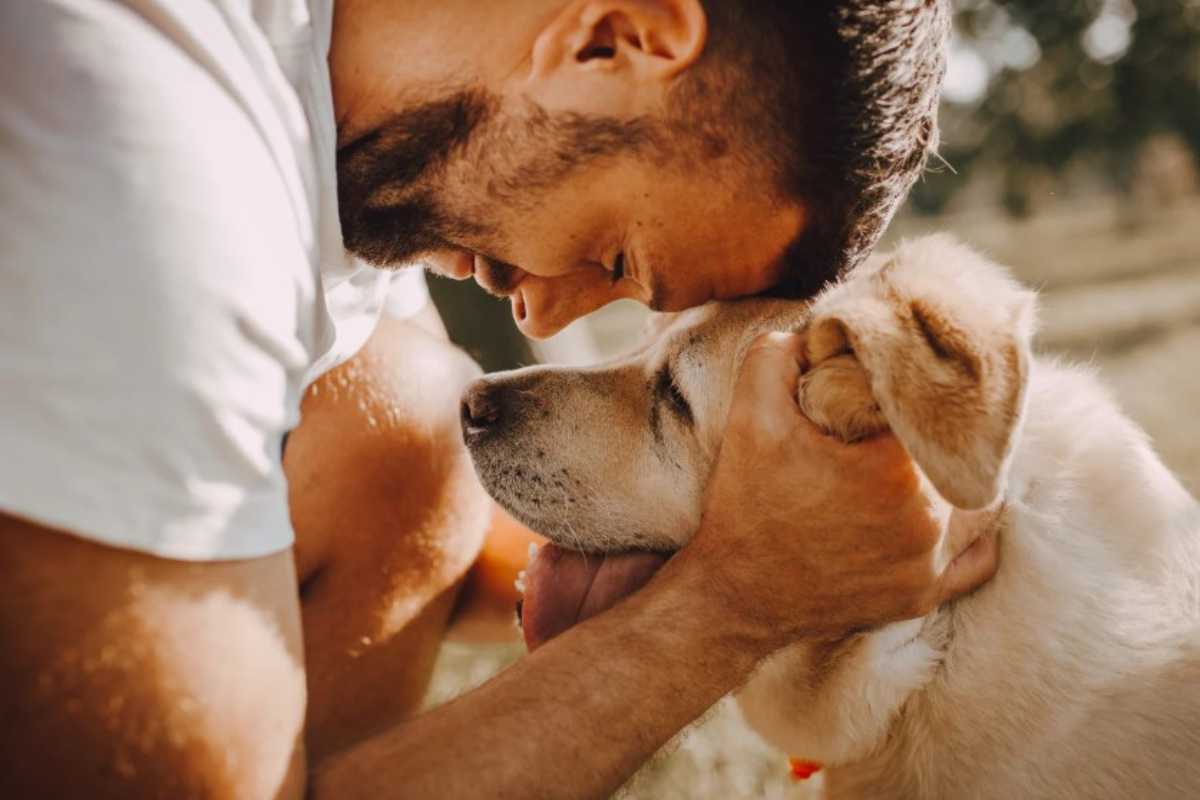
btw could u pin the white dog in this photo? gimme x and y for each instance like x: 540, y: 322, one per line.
x: 1075, y: 673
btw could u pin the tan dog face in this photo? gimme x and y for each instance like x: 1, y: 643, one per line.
x: 933, y: 342
x: 616, y: 456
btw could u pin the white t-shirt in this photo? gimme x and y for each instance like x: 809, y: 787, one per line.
x: 171, y: 265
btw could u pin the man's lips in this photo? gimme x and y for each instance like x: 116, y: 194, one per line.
x: 563, y: 587
x: 456, y: 264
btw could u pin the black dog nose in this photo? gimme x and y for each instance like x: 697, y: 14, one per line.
x: 481, y: 409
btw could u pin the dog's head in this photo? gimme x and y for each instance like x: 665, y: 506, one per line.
x: 933, y: 342
x: 616, y: 456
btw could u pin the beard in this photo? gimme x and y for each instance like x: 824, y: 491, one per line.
x: 387, y: 180
x: 394, y: 182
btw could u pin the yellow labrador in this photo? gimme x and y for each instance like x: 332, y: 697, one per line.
x: 1075, y: 673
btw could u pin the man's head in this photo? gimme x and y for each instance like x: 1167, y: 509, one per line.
x: 670, y: 151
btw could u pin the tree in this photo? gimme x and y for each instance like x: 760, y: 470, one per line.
x: 1040, y: 88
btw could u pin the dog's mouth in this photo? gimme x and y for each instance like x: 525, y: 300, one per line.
x: 565, y: 587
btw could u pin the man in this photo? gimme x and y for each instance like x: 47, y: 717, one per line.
x: 174, y: 278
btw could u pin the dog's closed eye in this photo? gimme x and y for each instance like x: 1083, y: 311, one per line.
x: 666, y: 390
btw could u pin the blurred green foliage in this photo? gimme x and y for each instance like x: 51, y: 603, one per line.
x: 1043, y: 87
x: 480, y: 324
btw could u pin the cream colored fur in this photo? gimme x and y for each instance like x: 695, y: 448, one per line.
x: 1075, y: 673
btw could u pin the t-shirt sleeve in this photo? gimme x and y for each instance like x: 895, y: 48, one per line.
x: 151, y: 276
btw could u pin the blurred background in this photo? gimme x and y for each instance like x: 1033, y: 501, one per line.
x: 1070, y: 150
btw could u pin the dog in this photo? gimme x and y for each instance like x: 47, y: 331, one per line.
x: 1074, y: 673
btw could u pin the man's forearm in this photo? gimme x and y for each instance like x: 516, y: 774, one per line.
x: 574, y: 719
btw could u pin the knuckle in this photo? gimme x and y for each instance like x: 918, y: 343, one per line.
x: 773, y: 341
x: 768, y: 351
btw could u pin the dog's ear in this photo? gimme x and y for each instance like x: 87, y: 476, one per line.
x: 944, y: 337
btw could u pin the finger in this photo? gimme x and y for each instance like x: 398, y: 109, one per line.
x: 769, y: 374
x: 971, y: 569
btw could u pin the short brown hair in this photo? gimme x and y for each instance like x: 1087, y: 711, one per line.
x: 837, y: 105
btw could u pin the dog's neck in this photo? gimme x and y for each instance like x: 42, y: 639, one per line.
x: 851, y: 691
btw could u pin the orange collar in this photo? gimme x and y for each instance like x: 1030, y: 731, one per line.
x: 802, y: 770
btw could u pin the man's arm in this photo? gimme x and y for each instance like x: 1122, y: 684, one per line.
x: 575, y: 718
x: 124, y: 675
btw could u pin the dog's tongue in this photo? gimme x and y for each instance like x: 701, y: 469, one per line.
x: 563, y: 587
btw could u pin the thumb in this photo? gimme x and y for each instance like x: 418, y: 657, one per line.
x: 766, y: 384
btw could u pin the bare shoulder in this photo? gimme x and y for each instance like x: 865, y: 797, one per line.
x: 125, y: 675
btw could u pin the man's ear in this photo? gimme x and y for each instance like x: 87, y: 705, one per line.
x: 643, y: 44
x: 945, y: 339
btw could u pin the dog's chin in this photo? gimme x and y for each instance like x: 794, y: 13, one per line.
x: 595, y: 558
x: 543, y: 495
x: 556, y: 516
x: 548, y: 499
x: 574, y: 528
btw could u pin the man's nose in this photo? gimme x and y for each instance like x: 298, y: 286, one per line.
x: 544, y: 306
x: 482, y: 409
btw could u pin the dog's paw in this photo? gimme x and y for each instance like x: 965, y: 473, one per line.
x: 835, y: 390
x: 933, y: 343
x: 836, y: 396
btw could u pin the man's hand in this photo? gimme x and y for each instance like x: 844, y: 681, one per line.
x: 806, y: 536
